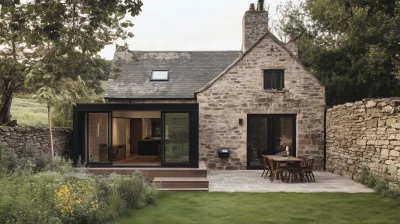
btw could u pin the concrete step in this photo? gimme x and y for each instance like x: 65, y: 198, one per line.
x: 181, y: 182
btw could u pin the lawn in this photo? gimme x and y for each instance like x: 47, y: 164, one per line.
x: 28, y: 112
x: 232, y: 208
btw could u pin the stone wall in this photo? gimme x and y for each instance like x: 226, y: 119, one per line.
x: 21, y: 138
x: 365, y: 134
x: 149, y: 101
x: 240, y: 92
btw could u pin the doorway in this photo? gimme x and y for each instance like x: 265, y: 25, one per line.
x: 269, y: 134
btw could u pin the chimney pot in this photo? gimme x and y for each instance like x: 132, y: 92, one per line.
x: 260, y: 6
x: 252, y: 8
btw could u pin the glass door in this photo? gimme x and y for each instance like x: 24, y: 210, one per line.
x: 257, y: 140
x: 269, y: 135
x: 98, y: 138
x: 175, y: 141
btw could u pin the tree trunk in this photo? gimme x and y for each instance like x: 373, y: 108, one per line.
x: 51, y: 132
x: 5, y: 110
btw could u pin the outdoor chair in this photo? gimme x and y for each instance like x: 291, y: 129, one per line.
x: 266, y: 167
x: 307, y: 170
x: 275, y: 171
x: 293, y: 171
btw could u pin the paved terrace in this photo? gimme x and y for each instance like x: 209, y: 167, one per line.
x: 251, y: 181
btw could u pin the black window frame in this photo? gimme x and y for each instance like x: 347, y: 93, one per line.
x: 271, y: 77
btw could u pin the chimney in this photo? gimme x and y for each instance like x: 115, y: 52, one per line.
x: 292, y: 46
x: 255, y: 25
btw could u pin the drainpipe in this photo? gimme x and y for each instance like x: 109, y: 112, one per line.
x: 325, y: 110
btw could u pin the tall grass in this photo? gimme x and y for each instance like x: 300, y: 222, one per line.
x: 28, y: 112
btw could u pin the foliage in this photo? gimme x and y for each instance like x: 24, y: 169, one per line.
x: 15, y: 52
x: 38, y: 190
x: 78, y: 92
x: 380, y: 185
x: 351, y: 46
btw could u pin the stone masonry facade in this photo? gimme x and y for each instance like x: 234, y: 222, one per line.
x: 365, y: 134
x: 21, y: 139
x: 240, y: 92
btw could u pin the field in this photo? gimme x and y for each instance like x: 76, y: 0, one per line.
x: 28, y: 112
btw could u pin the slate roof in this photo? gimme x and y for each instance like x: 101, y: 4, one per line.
x: 188, y: 73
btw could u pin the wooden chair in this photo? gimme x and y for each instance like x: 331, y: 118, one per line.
x: 275, y: 171
x: 307, y: 170
x: 266, y: 167
x: 293, y: 170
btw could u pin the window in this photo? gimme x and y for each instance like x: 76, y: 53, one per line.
x: 156, y: 127
x: 159, y: 75
x: 274, y: 79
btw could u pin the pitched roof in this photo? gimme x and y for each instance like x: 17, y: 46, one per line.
x: 226, y: 70
x: 188, y: 73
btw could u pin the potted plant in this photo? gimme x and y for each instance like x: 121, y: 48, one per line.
x: 286, y: 143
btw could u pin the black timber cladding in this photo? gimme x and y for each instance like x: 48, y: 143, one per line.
x: 187, y: 73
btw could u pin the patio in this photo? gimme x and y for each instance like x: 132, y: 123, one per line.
x: 251, y: 181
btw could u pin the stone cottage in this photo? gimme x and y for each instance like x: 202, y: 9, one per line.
x: 193, y: 105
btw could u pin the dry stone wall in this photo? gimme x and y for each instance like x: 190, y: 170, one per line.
x: 365, y: 134
x: 21, y: 139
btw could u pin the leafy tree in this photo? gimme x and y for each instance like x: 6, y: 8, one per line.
x: 15, y: 52
x: 79, y: 92
x: 70, y: 34
x: 350, y: 45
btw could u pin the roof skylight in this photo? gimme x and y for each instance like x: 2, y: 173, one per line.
x: 159, y: 75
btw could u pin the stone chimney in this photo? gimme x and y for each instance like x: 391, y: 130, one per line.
x: 255, y: 25
x: 292, y: 46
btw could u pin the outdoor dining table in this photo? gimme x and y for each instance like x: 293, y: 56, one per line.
x: 278, y: 160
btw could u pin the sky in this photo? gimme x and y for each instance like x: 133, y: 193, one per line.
x: 183, y: 25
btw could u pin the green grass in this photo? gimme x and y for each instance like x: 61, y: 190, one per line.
x: 28, y: 112
x: 282, y: 208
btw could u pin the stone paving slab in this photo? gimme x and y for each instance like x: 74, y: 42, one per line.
x: 251, y: 181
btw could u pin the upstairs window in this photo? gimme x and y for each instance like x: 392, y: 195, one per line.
x: 159, y: 75
x: 274, y: 79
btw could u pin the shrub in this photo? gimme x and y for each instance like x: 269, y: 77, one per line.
x: 379, y: 185
x: 36, y: 190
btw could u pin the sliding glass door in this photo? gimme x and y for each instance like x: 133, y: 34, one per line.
x: 269, y: 135
x: 98, y: 138
x: 176, y: 139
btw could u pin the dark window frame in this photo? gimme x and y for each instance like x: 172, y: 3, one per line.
x: 271, y: 79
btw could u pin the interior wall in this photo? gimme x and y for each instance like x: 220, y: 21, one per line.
x: 137, y: 114
x: 119, y: 131
x: 146, y: 128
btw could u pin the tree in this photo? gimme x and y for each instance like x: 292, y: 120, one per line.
x: 350, y: 45
x: 15, y: 52
x: 70, y: 34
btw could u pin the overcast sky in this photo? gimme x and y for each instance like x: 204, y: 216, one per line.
x: 190, y: 25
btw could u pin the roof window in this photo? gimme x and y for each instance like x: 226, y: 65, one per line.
x: 159, y: 75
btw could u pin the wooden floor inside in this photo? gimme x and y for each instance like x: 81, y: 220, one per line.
x: 135, y: 160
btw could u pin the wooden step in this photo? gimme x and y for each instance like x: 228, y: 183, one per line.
x: 184, y: 189
x: 181, y: 182
x: 151, y: 173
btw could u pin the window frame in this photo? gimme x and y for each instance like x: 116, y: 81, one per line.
x: 159, y: 80
x: 274, y: 73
